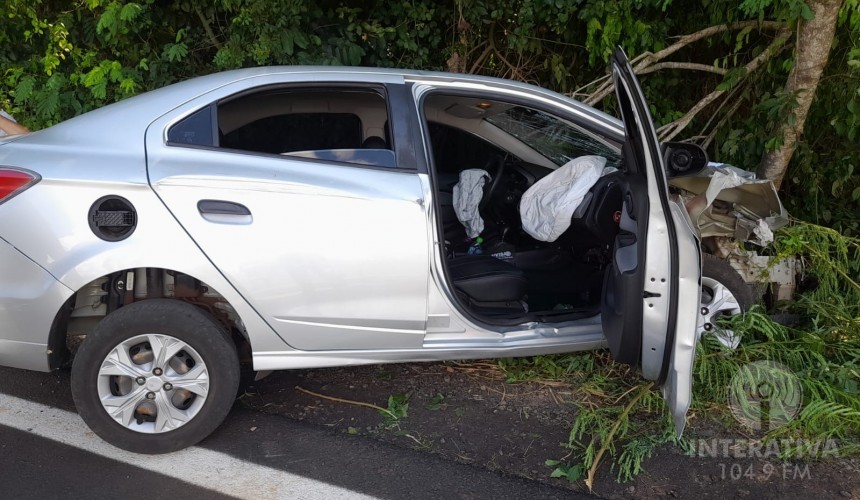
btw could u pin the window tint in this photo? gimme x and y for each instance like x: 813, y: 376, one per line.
x: 196, y: 129
x: 341, y: 125
x: 552, y: 137
x: 297, y: 132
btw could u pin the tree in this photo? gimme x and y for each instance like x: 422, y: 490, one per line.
x: 814, y: 39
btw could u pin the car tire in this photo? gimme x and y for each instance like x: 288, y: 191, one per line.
x: 724, y: 293
x: 161, y: 356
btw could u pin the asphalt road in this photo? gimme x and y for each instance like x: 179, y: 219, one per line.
x: 252, y: 455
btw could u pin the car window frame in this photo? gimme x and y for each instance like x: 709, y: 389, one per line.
x: 612, y: 132
x: 404, y: 160
x: 517, y: 97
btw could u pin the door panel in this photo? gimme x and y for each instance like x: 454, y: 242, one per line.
x: 332, y: 256
x: 655, y: 261
x: 622, y: 294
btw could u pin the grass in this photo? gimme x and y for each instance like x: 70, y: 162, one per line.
x: 622, y: 419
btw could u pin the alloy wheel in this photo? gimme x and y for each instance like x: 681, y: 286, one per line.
x: 153, y: 383
x: 718, y: 302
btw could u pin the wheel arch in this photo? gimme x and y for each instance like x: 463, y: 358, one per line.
x: 104, y: 290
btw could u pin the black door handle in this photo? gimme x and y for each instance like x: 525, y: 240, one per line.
x: 220, y: 207
x: 224, y: 212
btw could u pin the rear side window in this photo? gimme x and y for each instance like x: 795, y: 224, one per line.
x: 297, y: 132
x: 196, y: 129
x: 344, y: 125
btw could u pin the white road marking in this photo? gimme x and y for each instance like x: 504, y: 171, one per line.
x: 201, y: 467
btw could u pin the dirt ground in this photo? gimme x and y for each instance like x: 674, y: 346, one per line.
x: 469, y: 414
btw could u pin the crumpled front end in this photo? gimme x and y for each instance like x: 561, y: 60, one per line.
x: 726, y: 201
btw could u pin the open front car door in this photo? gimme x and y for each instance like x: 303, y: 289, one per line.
x: 652, y: 291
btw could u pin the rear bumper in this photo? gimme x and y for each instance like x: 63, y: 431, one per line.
x: 29, y: 300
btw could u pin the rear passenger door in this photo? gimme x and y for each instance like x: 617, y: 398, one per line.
x: 322, y: 230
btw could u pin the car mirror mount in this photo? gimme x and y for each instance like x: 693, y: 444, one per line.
x: 683, y: 159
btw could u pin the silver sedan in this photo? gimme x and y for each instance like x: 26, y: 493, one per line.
x: 299, y: 217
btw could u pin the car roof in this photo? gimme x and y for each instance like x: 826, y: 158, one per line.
x: 115, y: 125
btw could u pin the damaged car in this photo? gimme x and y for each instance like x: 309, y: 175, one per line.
x: 735, y: 213
x: 300, y: 217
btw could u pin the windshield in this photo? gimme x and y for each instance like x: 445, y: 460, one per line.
x: 552, y: 137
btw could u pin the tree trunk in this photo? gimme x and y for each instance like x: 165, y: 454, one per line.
x: 814, y: 39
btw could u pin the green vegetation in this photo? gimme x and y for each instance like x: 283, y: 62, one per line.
x: 60, y: 58
x: 621, y: 418
x: 398, y: 407
x: 437, y: 403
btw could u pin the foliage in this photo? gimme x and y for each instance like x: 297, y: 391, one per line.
x: 547, y: 367
x: 823, y: 352
x: 398, y: 408
x: 59, y: 59
x: 833, y: 264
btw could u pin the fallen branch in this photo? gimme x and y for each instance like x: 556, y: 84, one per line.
x: 589, y: 480
x: 347, y: 401
x: 682, y: 65
x: 648, y: 59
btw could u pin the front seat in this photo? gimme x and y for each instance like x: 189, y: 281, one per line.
x: 489, y: 286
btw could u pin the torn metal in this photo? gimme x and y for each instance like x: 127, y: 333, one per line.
x: 726, y: 201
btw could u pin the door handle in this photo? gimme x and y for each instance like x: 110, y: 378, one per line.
x: 224, y: 212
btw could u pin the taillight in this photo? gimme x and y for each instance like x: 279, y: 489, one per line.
x: 14, y: 181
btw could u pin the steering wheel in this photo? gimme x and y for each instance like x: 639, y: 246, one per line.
x: 495, y: 166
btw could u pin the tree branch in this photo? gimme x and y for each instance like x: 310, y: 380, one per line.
x: 648, y: 59
x: 706, y: 139
x: 685, y: 40
x: 208, y: 29
x: 480, y: 60
x: 682, y: 65
x: 670, y: 130
x: 589, y: 84
x: 713, y: 133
